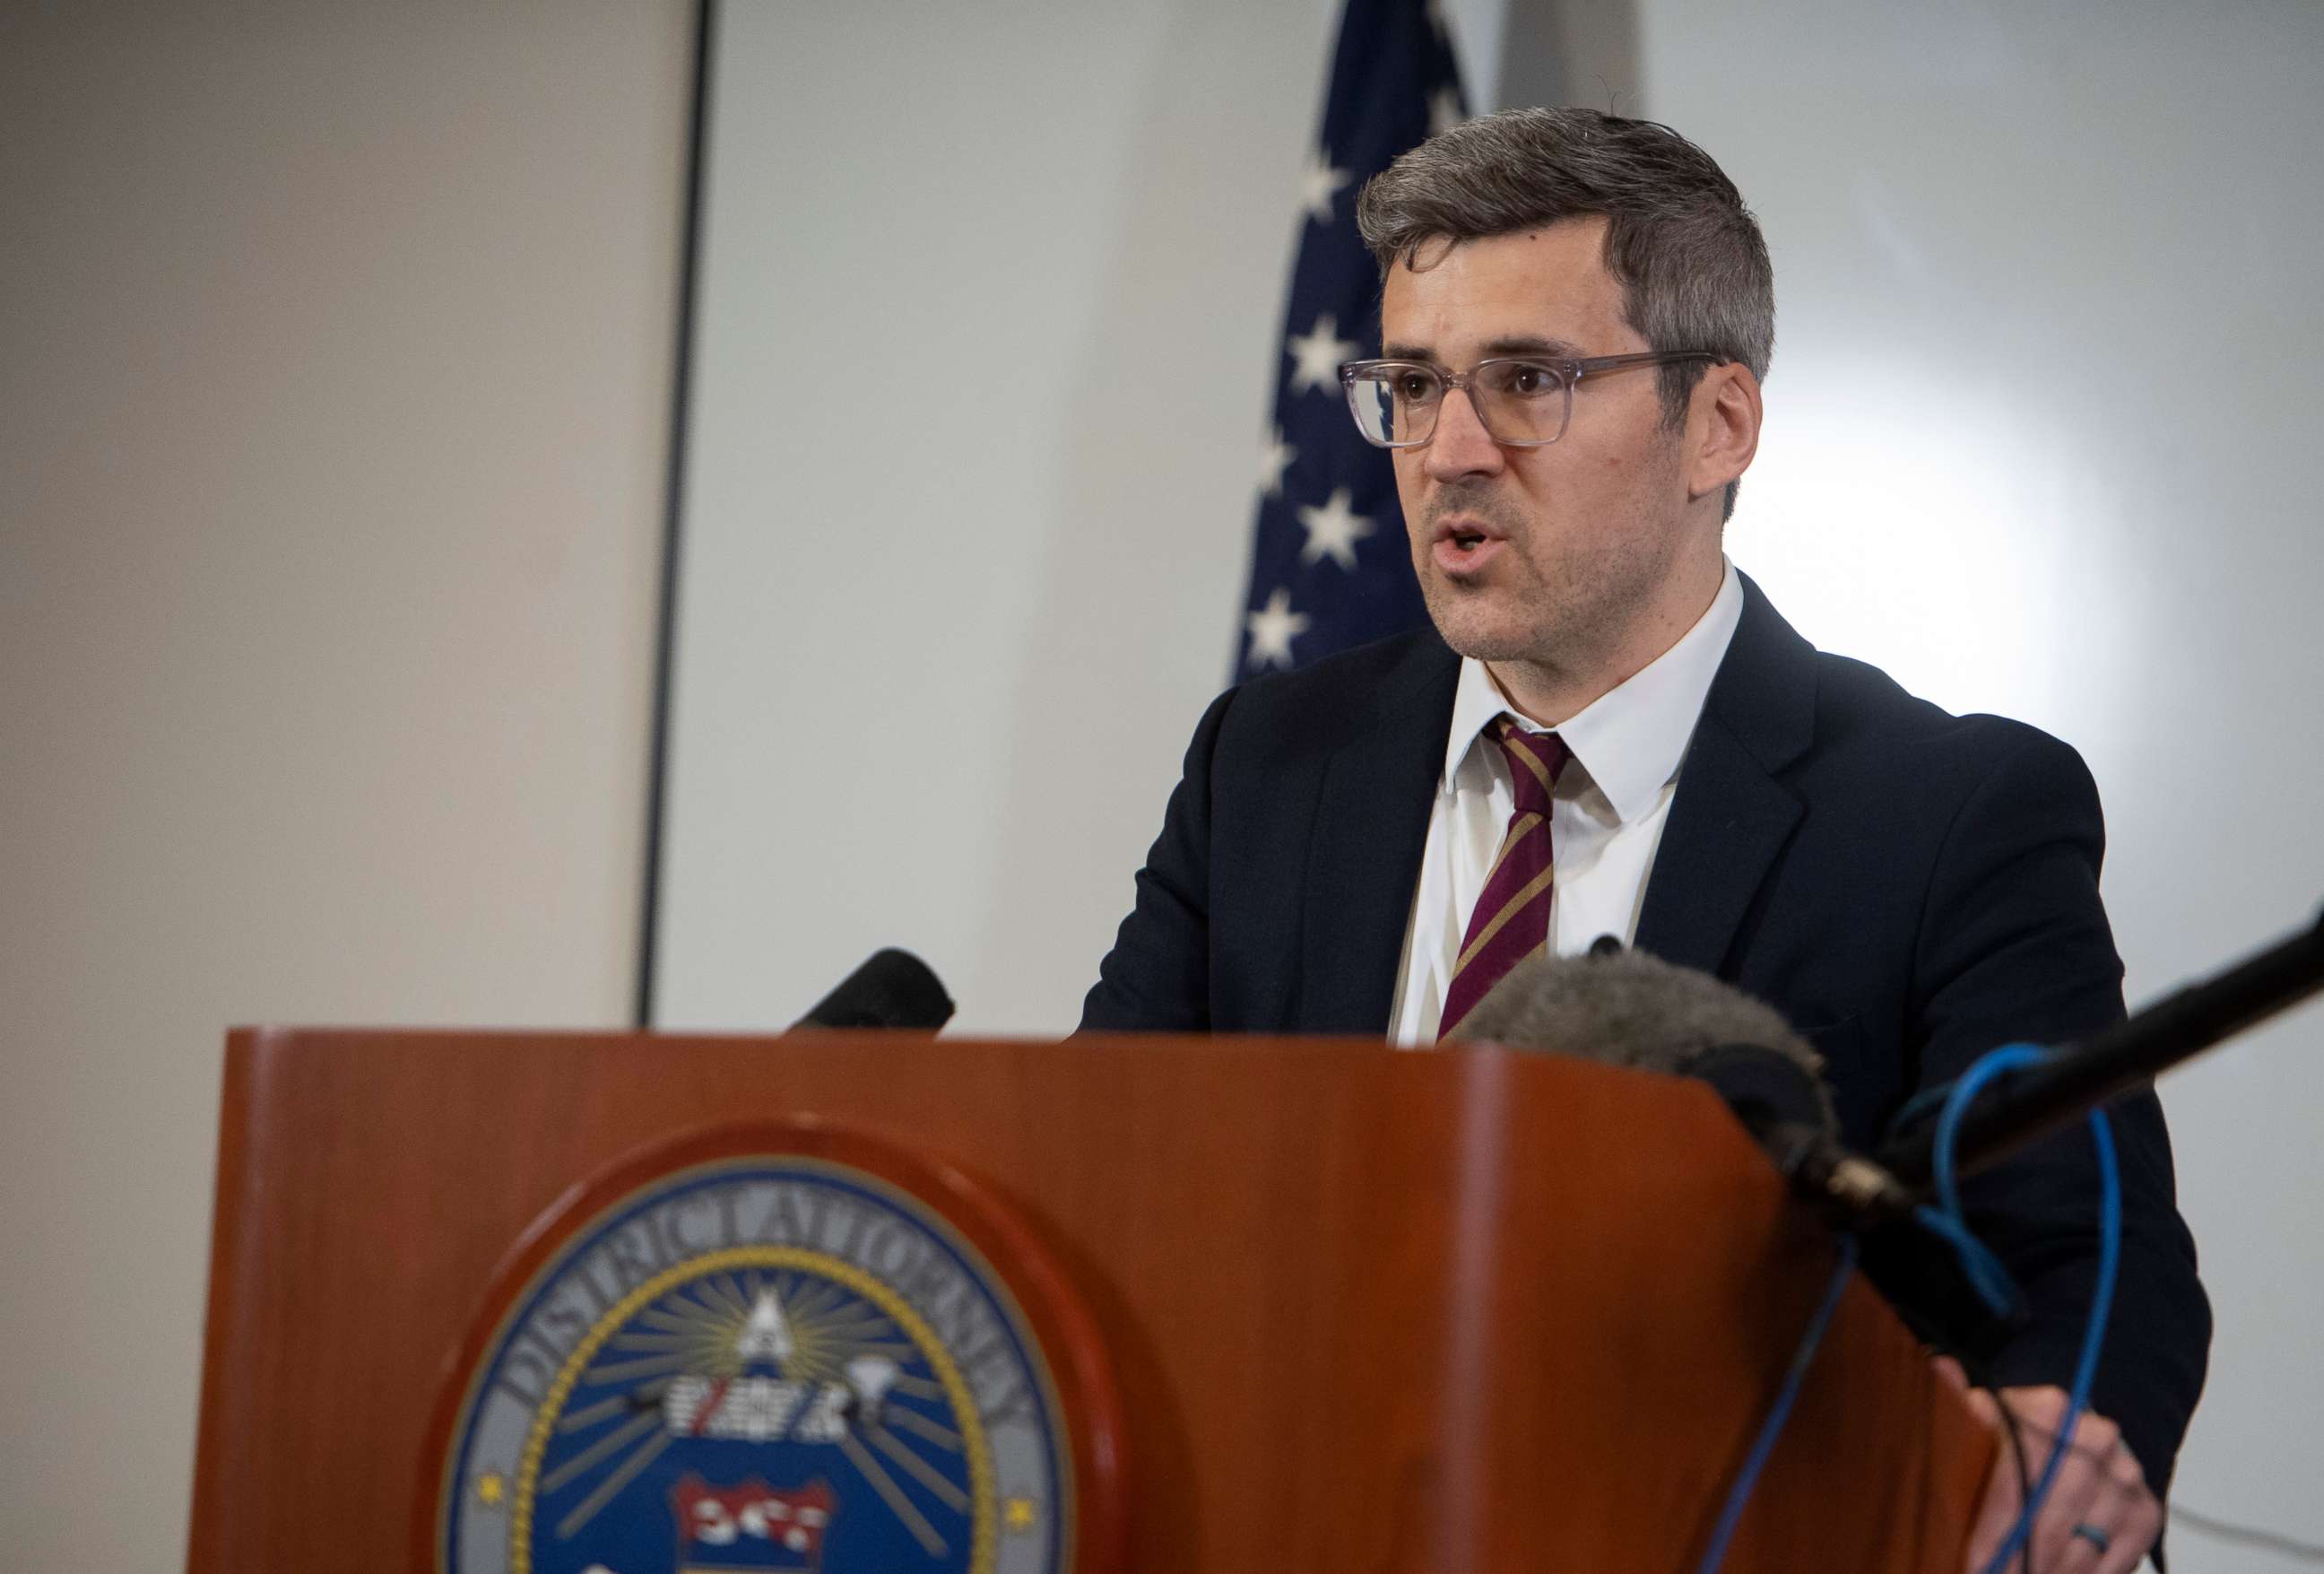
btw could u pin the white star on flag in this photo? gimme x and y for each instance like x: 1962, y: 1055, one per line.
x: 1272, y: 628
x: 1319, y: 184
x: 1444, y: 110
x: 1319, y: 355
x: 1273, y: 460
x: 1334, y: 531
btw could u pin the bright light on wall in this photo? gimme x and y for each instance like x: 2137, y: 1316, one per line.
x: 1962, y: 541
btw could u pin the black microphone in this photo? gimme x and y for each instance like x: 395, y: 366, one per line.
x: 893, y: 988
x: 2080, y: 1077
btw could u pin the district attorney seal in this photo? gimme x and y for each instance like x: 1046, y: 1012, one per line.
x: 782, y: 1348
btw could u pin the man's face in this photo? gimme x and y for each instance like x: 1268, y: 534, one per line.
x: 1550, y: 554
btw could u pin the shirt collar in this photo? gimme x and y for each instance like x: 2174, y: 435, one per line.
x: 1631, y: 738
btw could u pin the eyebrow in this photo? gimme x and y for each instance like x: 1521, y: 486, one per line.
x: 1514, y: 345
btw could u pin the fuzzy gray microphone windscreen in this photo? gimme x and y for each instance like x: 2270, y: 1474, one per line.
x: 1631, y: 1009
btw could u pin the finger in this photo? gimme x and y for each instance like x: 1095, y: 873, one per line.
x: 2042, y: 1407
x: 2134, y: 1538
x: 2073, y: 1501
x: 2088, y: 1543
x: 1980, y: 1402
x: 2035, y: 1412
x: 1997, y: 1511
x: 2117, y: 1529
x: 2138, y: 1519
x: 2079, y: 1496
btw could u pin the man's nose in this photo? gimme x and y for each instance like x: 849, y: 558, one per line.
x: 1460, y: 446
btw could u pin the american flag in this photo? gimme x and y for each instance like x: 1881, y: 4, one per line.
x: 1329, y: 567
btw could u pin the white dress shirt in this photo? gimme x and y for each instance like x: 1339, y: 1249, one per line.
x: 1606, y: 817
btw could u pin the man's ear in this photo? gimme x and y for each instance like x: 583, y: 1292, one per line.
x: 1723, y: 427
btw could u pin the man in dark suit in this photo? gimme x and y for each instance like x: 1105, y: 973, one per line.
x: 1608, y: 731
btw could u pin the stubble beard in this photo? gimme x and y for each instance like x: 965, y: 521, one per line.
x: 1570, y: 615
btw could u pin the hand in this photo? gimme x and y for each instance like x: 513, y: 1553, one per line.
x: 2099, y: 1486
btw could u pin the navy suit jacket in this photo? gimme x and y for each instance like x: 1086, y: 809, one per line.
x: 1909, y: 887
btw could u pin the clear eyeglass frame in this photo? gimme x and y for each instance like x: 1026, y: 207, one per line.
x: 1517, y: 399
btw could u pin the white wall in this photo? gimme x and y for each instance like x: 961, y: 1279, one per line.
x: 333, y: 374
x: 982, y: 361
x: 2049, y: 348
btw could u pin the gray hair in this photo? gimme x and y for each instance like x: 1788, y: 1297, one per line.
x: 1687, y: 252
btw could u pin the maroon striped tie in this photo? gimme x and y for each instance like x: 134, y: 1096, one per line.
x: 1512, y: 917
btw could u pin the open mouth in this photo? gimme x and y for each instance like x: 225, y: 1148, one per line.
x: 1460, y: 540
x: 1463, y: 550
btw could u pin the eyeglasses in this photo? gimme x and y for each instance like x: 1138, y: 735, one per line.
x: 1522, y: 402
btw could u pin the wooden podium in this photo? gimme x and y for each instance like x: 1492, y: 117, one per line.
x: 1362, y: 1309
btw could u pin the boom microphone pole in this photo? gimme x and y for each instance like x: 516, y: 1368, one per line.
x: 2032, y: 1103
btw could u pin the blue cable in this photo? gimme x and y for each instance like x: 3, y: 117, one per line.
x: 1983, y: 1269
x: 1985, y: 1275
x: 1991, y: 1281
x: 2093, y: 1338
x: 1991, y: 1064
x: 1764, y: 1444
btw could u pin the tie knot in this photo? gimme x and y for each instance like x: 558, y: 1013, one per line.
x: 1534, y: 760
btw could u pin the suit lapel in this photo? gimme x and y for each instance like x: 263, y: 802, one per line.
x: 1732, y: 814
x: 1370, y: 828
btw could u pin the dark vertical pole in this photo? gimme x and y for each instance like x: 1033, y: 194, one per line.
x: 666, y: 617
